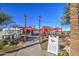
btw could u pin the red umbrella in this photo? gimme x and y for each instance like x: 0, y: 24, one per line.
x: 56, y: 28
x: 42, y: 29
x: 23, y: 26
x: 31, y: 27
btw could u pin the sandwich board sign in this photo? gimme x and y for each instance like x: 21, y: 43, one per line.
x: 53, y: 44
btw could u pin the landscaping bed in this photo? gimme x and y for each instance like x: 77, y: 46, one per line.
x: 5, y: 47
x: 63, y: 47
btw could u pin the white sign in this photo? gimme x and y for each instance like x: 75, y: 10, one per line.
x: 53, y: 44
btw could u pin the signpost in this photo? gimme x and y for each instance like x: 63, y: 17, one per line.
x: 53, y: 44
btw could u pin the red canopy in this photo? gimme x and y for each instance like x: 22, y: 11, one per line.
x: 29, y: 27
x: 56, y: 28
x: 42, y: 29
x: 23, y: 26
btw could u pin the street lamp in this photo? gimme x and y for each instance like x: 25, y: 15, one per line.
x: 25, y: 23
x: 39, y: 24
x: 25, y: 27
x: 39, y: 28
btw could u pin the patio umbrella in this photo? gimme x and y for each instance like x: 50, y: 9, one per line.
x: 31, y: 27
x: 56, y: 28
x: 23, y: 28
x: 42, y: 29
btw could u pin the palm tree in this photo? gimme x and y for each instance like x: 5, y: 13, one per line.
x: 74, y: 42
x: 62, y: 23
x: 66, y: 16
x: 66, y: 19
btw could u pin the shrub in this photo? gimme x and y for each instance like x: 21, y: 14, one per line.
x: 2, y: 43
x: 63, y: 53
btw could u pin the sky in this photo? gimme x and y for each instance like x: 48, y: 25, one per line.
x: 50, y: 13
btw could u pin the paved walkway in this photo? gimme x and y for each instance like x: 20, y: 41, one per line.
x: 34, y: 50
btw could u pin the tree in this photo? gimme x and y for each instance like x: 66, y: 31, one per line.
x: 67, y: 19
x: 66, y: 15
x: 70, y: 17
x: 62, y: 23
x: 5, y: 19
x: 74, y: 42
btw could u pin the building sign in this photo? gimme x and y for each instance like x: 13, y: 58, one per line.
x: 53, y: 44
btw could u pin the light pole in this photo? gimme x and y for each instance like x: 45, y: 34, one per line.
x: 25, y: 27
x: 39, y: 24
x: 39, y: 28
x: 25, y: 23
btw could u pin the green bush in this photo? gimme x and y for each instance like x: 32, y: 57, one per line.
x: 5, y: 42
x: 63, y: 53
x: 2, y: 43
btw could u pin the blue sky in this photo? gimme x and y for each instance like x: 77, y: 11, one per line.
x: 50, y: 13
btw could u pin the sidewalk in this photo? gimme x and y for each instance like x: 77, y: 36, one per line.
x: 34, y: 50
